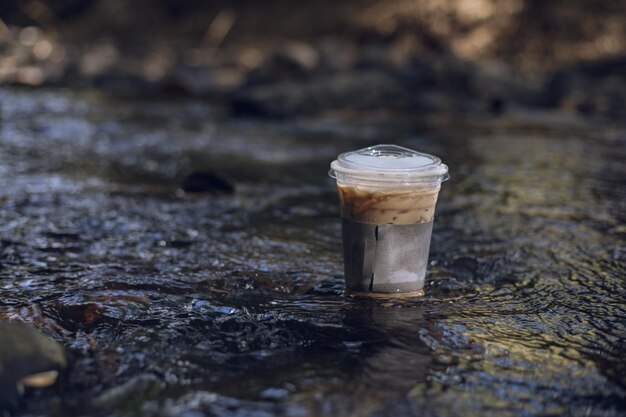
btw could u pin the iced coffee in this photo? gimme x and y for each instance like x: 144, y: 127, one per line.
x: 387, y: 206
x: 388, y: 195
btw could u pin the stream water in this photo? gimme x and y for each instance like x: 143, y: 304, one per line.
x: 233, y: 305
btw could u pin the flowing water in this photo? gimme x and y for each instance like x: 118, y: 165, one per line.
x: 233, y: 305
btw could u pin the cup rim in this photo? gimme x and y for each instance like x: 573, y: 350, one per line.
x: 342, y: 168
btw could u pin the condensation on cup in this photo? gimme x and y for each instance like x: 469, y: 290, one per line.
x: 388, y: 195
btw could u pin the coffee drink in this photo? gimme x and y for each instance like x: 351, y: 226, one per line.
x: 387, y: 195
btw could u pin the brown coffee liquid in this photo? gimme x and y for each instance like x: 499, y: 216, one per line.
x: 387, y: 206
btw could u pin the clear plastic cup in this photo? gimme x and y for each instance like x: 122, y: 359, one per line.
x: 388, y: 195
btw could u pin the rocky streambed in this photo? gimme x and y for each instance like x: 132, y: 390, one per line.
x: 229, y: 300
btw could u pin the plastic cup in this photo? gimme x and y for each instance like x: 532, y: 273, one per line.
x: 388, y: 195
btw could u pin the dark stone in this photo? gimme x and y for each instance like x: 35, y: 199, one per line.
x: 179, y: 244
x: 135, y: 390
x: 206, y: 182
x: 25, y: 352
x: 63, y: 234
x: 496, y: 106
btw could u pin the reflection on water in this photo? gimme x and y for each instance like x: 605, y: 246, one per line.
x: 234, y: 305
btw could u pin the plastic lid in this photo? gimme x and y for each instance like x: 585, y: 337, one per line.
x: 388, y: 164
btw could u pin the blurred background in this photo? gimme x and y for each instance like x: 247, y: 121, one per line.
x: 280, y: 58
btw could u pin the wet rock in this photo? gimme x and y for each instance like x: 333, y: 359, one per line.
x: 27, y: 359
x: 210, y: 403
x: 78, y: 315
x: 63, y: 234
x: 206, y: 182
x: 135, y: 390
x: 497, y: 106
x: 275, y: 394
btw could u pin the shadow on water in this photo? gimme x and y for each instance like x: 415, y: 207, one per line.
x: 234, y: 304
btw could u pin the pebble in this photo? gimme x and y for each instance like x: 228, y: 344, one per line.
x: 206, y: 182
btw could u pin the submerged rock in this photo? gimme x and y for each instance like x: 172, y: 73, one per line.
x: 27, y: 359
x: 206, y: 182
x: 135, y: 390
